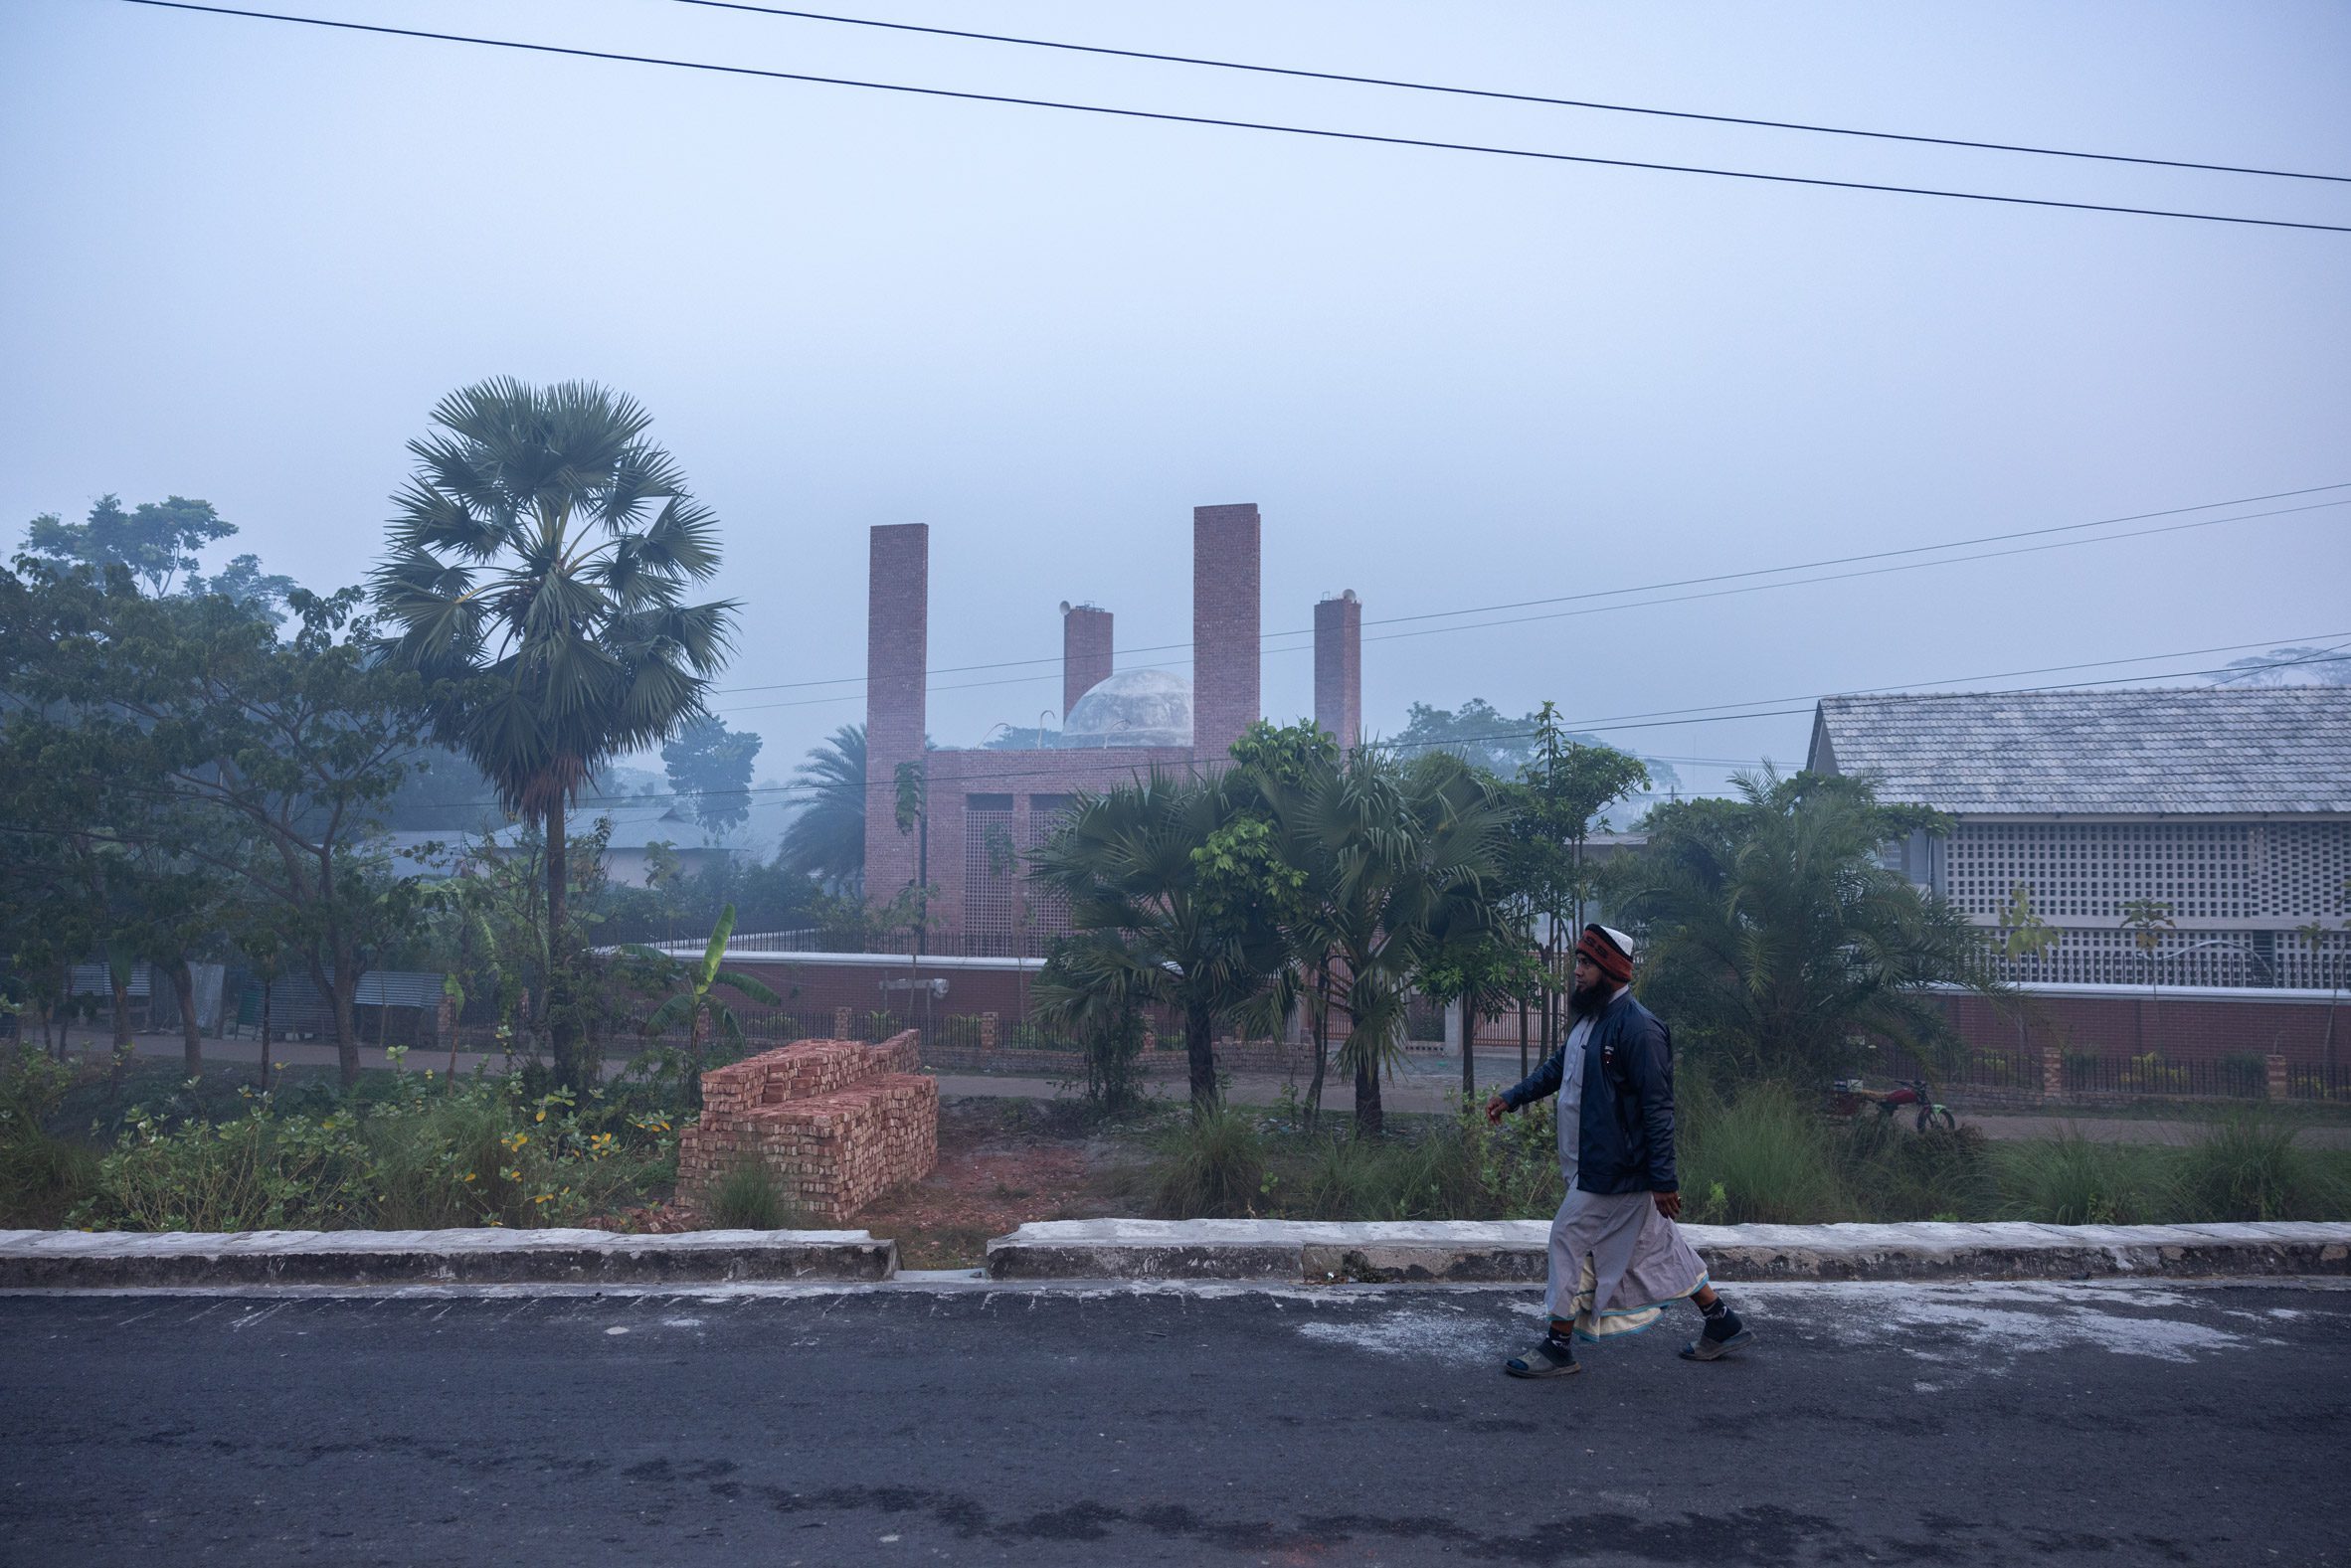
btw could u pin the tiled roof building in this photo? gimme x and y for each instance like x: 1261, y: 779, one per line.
x: 2232, y: 805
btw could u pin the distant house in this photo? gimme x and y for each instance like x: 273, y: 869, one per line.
x: 627, y: 856
x: 2231, y: 806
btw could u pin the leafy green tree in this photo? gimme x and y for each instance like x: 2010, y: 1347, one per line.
x: 710, y: 766
x: 827, y: 840
x: 1776, y: 942
x: 2146, y: 920
x: 190, y: 732
x: 1487, y: 972
x: 1394, y: 860
x: 266, y: 593
x: 1149, y: 928
x: 1557, y: 800
x: 539, y: 565
x: 157, y: 541
x: 694, y: 999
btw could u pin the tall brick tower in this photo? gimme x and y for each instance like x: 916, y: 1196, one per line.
x: 1085, y: 652
x: 897, y: 650
x: 1224, y: 626
x: 1338, y: 668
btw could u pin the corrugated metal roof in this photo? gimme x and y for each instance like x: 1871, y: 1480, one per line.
x: 2195, y: 751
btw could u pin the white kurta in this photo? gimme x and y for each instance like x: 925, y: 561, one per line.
x: 1614, y: 1260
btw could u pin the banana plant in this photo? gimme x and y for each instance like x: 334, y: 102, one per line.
x: 695, y: 1000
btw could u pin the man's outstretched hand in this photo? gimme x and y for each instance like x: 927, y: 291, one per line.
x: 1669, y: 1205
x: 1494, y: 1108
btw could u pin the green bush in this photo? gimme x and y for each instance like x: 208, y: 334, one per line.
x: 1211, y: 1167
x: 1893, y: 1175
x: 2246, y: 1167
x: 2069, y: 1180
x: 418, y: 1155
x: 1761, y: 1159
x: 746, y: 1198
x: 41, y: 1177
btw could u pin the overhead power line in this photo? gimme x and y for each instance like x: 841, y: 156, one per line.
x: 1633, y: 604
x: 1268, y: 126
x: 1513, y: 98
x: 1647, y: 588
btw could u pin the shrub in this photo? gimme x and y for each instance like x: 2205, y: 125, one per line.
x: 2246, y: 1167
x: 1211, y: 1166
x: 1894, y: 1174
x: 2069, y: 1180
x: 1761, y: 1159
x: 746, y: 1198
x: 41, y: 1177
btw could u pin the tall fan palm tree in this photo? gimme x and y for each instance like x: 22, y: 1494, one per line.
x: 827, y: 839
x: 539, y: 562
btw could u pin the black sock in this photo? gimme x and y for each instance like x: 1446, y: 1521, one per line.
x: 1712, y: 1310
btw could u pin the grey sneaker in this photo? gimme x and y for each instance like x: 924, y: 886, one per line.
x: 1713, y: 1345
x: 1550, y: 1358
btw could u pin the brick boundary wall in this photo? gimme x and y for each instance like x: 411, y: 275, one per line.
x: 835, y: 1123
x: 1166, y: 1060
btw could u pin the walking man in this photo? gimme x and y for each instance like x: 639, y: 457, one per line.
x: 1616, y: 1255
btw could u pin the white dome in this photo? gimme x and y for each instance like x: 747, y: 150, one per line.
x: 1133, y: 708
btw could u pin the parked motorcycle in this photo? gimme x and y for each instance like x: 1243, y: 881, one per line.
x: 1848, y: 1096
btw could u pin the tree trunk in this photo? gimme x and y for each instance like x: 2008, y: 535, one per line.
x: 1524, y: 1066
x: 340, y: 985
x: 183, y: 989
x: 1314, y: 1090
x: 120, y: 987
x: 267, y: 988
x: 1199, y: 1048
x: 1370, y: 1120
x: 562, y: 1037
x: 694, y: 1057
x: 1469, y: 1051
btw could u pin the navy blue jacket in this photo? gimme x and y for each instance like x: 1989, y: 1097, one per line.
x: 1626, y: 1128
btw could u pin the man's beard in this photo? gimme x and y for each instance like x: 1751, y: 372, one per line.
x: 1586, y: 1000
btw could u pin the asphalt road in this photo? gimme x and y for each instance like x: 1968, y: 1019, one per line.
x: 1964, y: 1424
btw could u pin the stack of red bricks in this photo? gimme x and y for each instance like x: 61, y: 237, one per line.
x: 834, y: 1123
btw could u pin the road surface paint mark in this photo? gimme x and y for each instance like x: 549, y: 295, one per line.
x: 681, y: 1323
x: 251, y: 1318
x: 616, y: 1330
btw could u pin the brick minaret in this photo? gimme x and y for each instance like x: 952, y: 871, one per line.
x: 1224, y: 626
x: 1338, y: 668
x: 1085, y: 652
x: 897, y: 648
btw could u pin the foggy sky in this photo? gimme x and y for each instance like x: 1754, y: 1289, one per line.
x: 243, y: 260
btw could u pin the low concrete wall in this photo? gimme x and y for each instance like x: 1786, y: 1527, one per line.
x: 1515, y: 1250
x: 98, y: 1260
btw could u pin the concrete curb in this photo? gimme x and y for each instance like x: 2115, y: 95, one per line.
x: 82, y: 1260
x: 1507, y: 1250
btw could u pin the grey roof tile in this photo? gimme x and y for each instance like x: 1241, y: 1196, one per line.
x: 2190, y: 751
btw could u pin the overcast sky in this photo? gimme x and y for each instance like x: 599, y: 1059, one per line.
x: 243, y: 258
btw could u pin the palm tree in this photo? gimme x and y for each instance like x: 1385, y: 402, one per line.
x: 538, y: 568
x: 827, y: 839
x: 1155, y: 926
x: 1777, y: 942
x: 1397, y: 860
x: 695, y: 1002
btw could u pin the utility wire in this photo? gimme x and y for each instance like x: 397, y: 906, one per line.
x: 1511, y: 98
x: 1647, y: 588
x: 1601, y: 610
x: 1244, y: 125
